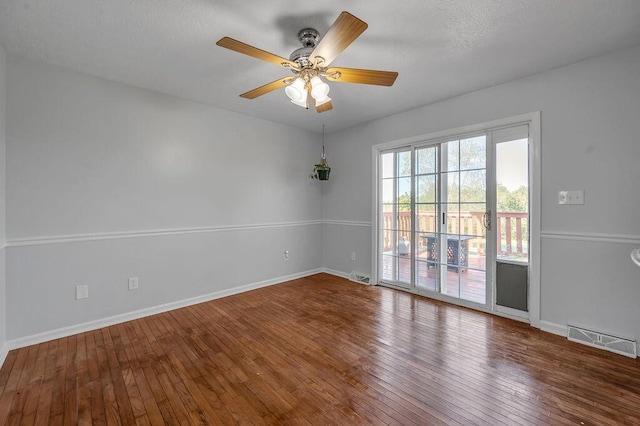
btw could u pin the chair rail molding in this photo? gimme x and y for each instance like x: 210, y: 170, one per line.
x: 58, y: 239
x: 591, y: 237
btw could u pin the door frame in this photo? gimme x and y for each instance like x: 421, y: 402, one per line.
x: 533, y: 120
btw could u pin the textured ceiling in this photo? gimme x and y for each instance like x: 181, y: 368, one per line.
x: 441, y: 48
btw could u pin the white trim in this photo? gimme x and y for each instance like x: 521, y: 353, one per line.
x: 346, y: 222
x: 551, y: 327
x: 461, y: 131
x: 592, y: 237
x: 129, y: 316
x: 4, y: 351
x: 535, y: 194
x: 515, y: 313
x: 344, y: 275
x: 58, y: 239
x: 491, y: 237
x: 375, y: 222
x: 458, y: 302
x: 335, y: 273
x: 510, y: 316
x: 3, y: 245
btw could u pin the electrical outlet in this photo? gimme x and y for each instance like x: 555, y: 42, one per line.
x: 286, y: 255
x: 353, y: 255
x: 571, y: 197
x: 82, y: 292
x: 133, y: 283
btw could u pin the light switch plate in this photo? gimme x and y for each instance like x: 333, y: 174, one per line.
x: 571, y: 197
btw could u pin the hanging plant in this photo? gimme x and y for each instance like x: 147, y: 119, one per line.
x: 321, y: 170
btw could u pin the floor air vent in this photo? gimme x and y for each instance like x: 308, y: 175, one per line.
x: 603, y: 341
x: 359, y: 278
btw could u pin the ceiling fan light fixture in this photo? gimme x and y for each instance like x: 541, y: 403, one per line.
x: 319, y: 89
x: 296, y: 91
x: 302, y: 103
x: 322, y: 101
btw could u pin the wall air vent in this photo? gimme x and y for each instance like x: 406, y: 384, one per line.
x: 359, y: 278
x: 607, y: 342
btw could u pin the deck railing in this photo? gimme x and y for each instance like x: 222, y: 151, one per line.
x: 513, y: 229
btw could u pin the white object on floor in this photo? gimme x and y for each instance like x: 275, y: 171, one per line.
x: 635, y: 256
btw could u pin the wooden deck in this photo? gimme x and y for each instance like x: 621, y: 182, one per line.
x: 319, y: 350
x: 468, y: 284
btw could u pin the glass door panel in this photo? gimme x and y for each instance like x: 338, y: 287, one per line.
x: 396, y: 217
x: 426, y: 218
x: 463, y: 260
x: 433, y: 233
x: 512, y: 199
x: 472, y: 230
x: 511, y: 248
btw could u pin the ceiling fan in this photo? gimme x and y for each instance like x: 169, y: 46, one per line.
x: 311, y: 63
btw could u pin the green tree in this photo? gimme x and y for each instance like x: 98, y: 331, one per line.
x: 404, y: 202
x: 512, y: 201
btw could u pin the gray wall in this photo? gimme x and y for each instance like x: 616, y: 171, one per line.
x: 590, y: 140
x: 3, y: 144
x: 107, y: 181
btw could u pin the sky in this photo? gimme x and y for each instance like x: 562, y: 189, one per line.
x: 511, y: 164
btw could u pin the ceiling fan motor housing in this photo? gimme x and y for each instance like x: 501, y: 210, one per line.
x: 309, y: 38
x: 301, y: 56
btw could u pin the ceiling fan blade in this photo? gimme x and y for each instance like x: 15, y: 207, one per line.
x: 342, y: 33
x: 327, y: 106
x: 354, y: 75
x: 269, y: 87
x: 246, y: 49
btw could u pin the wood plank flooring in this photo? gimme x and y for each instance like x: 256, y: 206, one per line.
x: 319, y: 350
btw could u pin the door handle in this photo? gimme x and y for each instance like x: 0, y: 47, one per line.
x: 486, y: 220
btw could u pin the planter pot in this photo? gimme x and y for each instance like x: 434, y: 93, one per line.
x: 323, y: 174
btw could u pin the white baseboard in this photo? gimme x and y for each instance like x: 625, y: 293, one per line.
x: 547, y: 326
x: 504, y: 313
x: 336, y: 273
x: 516, y: 314
x: 341, y: 274
x: 551, y: 327
x: 129, y: 316
x: 4, y: 351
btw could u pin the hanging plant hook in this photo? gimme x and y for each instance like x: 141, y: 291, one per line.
x: 321, y: 170
x: 323, y: 157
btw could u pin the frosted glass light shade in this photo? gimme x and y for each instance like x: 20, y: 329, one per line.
x: 319, y: 89
x: 302, y: 103
x: 296, y: 91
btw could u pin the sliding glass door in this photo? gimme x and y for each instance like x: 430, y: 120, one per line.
x: 454, y: 218
x: 434, y: 218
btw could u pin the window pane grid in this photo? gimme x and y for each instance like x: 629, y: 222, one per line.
x: 440, y: 262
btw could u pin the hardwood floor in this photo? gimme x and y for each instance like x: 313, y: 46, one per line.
x: 319, y: 350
